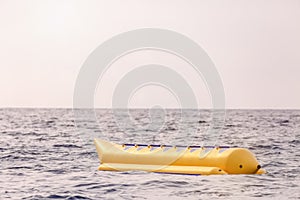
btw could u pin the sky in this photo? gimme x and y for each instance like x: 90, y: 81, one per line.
x: 255, y: 46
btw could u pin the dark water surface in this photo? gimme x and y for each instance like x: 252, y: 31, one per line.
x: 43, y: 156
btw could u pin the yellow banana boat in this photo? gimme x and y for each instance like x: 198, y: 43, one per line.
x: 176, y: 159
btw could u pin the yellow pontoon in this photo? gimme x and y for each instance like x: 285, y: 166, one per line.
x: 176, y: 159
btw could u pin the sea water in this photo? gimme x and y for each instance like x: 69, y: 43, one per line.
x: 44, y: 156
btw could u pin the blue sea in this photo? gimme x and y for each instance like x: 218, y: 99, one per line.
x: 43, y: 154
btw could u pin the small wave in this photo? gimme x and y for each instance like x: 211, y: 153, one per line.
x: 50, y: 122
x: 3, y: 149
x: 33, y: 133
x: 295, y: 142
x: 175, y: 183
x: 66, y: 146
x: 95, y: 184
x: 67, y: 125
x: 99, y: 186
x: 86, y: 153
x: 154, y: 182
x: 77, y: 197
x: 261, y: 146
x: 56, y: 196
x: 295, y: 115
x: 284, y: 122
x: 56, y: 171
x: 19, y: 167
x: 165, y: 183
x: 110, y: 191
x: 13, y: 157
x: 230, y: 125
x: 170, y: 129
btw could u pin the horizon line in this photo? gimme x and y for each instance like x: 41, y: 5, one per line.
x: 139, y: 108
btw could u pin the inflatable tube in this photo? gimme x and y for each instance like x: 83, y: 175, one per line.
x: 176, y: 159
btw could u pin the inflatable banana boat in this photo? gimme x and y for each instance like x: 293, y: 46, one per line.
x: 176, y: 159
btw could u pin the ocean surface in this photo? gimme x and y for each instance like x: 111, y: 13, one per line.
x: 49, y: 154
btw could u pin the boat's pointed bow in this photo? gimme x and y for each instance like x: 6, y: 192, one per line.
x: 103, y: 148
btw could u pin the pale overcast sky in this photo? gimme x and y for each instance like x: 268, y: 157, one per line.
x: 254, y: 44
